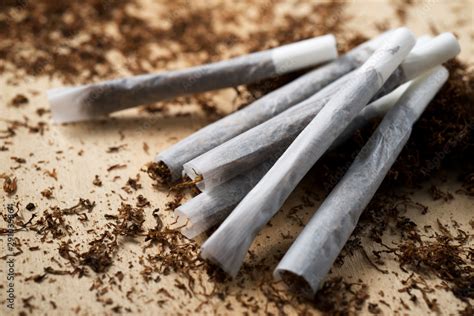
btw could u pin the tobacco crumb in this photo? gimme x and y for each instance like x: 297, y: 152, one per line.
x: 134, y: 183
x: 142, y: 201
x: 47, y: 193
x: 19, y: 100
x: 338, y: 297
x: 116, y: 166
x: 146, y: 148
x: 18, y: 160
x: 115, y: 149
x: 53, y: 174
x: 159, y: 172
x: 41, y: 111
x: 374, y: 309
x: 9, y: 184
x: 437, y: 194
x: 97, y: 182
x: 30, y: 206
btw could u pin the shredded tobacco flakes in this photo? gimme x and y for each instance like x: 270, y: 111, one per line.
x: 9, y: 184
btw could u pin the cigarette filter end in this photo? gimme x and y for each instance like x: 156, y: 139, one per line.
x: 436, y: 51
x: 304, y: 54
x: 66, y: 104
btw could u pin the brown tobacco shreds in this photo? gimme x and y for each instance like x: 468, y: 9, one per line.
x: 337, y: 297
x: 53, y: 174
x: 9, y: 184
x: 142, y: 201
x: 443, y: 136
x: 134, y: 183
x: 159, y: 172
x: 115, y: 149
x: 444, y: 256
x: 296, y: 283
x: 30, y: 206
x: 47, y: 193
x: 18, y: 159
x: 116, y: 166
x: 83, y: 204
x: 146, y: 148
x: 99, y: 256
x: 437, y: 194
x: 468, y: 184
x: 19, y: 100
x: 175, y: 203
x: 187, y: 183
x: 97, y: 182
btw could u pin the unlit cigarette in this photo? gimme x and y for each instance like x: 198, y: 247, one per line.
x: 96, y: 100
x: 311, y: 256
x: 230, y: 242
x: 250, y: 148
x: 263, y: 109
x: 211, y: 207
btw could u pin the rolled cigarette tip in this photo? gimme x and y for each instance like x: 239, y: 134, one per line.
x: 305, y: 53
x: 426, y: 56
x: 396, y: 48
x: 199, y: 215
x: 66, y: 104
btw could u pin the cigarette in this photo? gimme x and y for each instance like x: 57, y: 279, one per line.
x: 93, y: 101
x: 309, y: 259
x: 378, y: 108
x: 250, y: 148
x: 230, y: 242
x: 263, y: 109
x: 213, y: 206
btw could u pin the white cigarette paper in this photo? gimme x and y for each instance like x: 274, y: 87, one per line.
x: 311, y: 256
x: 247, y: 150
x: 211, y: 207
x: 229, y: 244
x: 263, y: 109
x: 97, y: 100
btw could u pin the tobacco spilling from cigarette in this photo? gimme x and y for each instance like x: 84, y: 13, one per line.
x: 246, y: 164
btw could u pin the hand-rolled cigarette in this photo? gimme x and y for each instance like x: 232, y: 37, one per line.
x: 250, y: 148
x: 263, y: 109
x: 229, y: 243
x: 311, y: 256
x: 213, y: 206
x: 96, y: 100
x: 378, y: 108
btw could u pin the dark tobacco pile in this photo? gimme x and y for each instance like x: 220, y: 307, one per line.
x: 41, y: 38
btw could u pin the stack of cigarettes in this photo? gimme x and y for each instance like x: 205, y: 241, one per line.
x: 247, y: 164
